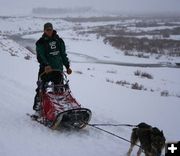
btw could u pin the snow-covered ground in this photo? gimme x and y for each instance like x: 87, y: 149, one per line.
x: 95, y: 87
x: 173, y: 37
x: 94, y: 48
x: 151, y: 28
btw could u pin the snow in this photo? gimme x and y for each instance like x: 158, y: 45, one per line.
x: 92, y: 46
x: 21, y: 136
x: 8, y: 45
x: 151, y: 28
x: 108, y: 101
x: 28, y: 24
x: 173, y: 37
x: 97, y: 51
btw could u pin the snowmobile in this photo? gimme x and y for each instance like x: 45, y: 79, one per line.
x: 59, y: 109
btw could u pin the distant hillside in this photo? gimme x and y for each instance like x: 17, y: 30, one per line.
x: 79, y: 10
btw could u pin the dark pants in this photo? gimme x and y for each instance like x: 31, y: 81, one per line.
x: 55, y: 77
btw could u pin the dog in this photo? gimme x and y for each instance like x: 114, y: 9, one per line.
x: 152, y: 140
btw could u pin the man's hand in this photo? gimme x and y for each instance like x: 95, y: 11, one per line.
x: 48, y: 69
x: 69, y: 71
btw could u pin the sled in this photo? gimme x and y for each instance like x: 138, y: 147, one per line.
x: 59, y: 109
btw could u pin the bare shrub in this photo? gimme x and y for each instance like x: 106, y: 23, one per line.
x: 127, y: 53
x: 153, y: 46
x: 143, y: 74
x: 137, y: 73
x: 146, y: 75
x: 122, y: 83
x: 137, y: 86
x: 110, y: 81
x: 165, y: 93
x: 158, y: 56
x: 13, y: 54
x: 140, y: 55
x: 27, y: 57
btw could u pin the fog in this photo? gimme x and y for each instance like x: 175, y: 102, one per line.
x: 13, y: 7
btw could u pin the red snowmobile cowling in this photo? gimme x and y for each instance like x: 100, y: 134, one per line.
x: 61, y: 109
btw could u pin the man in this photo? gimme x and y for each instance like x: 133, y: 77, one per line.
x: 51, y: 54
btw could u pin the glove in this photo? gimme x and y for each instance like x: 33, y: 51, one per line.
x: 69, y: 71
x: 48, y: 69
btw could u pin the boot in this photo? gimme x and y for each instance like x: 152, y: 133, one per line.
x: 36, y: 105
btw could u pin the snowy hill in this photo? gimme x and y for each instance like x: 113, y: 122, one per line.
x: 105, y: 89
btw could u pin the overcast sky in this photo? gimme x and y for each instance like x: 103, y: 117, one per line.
x: 25, y: 6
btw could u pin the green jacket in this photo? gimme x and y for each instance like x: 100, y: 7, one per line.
x: 51, y: 51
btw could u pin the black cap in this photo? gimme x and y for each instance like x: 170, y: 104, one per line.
x: 48, y: 25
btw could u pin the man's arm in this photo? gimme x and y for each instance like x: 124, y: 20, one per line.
x: 64, y: 55
x: 40, y: 49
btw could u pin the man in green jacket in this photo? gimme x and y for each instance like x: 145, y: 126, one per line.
x: 51, y: 54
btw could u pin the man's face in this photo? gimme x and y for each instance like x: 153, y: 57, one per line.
x: 48, y: 32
